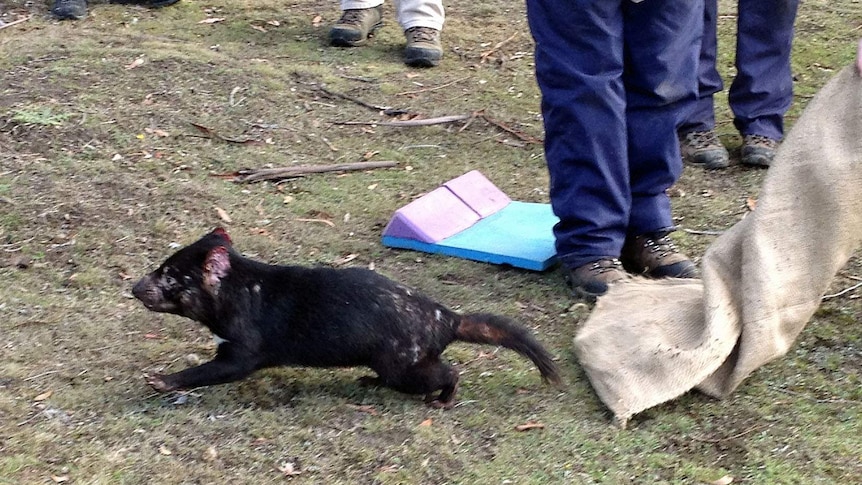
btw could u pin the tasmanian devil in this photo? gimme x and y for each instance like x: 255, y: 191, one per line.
x: 266, y: 315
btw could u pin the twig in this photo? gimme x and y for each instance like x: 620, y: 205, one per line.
x: 406, y: 123
x: 819, y: 401
x: 434, y: 88
x: 736, y: 436
x: 33, y: 378
x: 845, y: 290
x: 521, y: 136
x: 334, y: 94
x: 325, y: 221
x: 494, y: 49
x: 703, y: 233
x: 257, y: 175
x: 231, y: 100
x: 210, y: 133
x: 21, y: 20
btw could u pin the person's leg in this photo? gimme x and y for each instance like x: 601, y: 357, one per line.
x: 660, y: 80
x: 579, y: 68
x: 762, y: 90
x: 699, y: 141
x: 422, y: 22
x: 700, y: 116
x: 359, y: 20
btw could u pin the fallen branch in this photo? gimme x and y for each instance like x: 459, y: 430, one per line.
x: 406, y: 123
x: 261, y: 174
x: 842, y: 292
x: 16, y: 22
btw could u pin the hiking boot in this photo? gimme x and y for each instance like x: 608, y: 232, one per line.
x: 656, y: 256
x: 146, y: 3
x: 593, y: 279
x: 355, y: 26
x: 758, y: 150
x: 69, y: 9
x: 705, y: 149
x: 423, y: 47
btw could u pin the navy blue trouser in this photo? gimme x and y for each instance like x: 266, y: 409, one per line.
x: 762, y: 90
x: 613, y: 77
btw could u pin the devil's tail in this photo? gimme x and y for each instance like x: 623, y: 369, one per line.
x: 487, y: 328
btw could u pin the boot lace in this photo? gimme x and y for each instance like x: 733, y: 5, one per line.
x: 352, y: 17
x: 702, y: 139
x: 760, y: 140
x: 421, y: 34
x: 662, y: 246
x: 605, y: 265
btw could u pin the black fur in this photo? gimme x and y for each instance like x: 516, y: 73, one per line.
x: 271, y: 315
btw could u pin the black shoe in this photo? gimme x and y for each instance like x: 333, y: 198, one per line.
x: 69, y: 9
x: 656, y: 256
x: 423, y: 47
x: 355, y: 26
x: 593, y: 279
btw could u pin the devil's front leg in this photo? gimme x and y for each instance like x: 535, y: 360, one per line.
x: 231, y: 363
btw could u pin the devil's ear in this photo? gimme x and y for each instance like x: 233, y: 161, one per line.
x: 222, y: 233
x: 216, y: 267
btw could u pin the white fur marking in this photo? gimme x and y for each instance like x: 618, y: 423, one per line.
x: 438, y: 315
x: 218, y: 340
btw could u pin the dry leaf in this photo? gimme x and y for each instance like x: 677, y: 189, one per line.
x: 365, y: 409
x: 258, y: 28
x: 274, y: 23
x: 43, y: 396
x: 426, y: 423
x: 152, y: 336
x: 372, y: 186
x: 210, y: 454
x: 317, y: 20
x: 529, y: 425
x: 211, y: 20
x: 136, y: 63
x: 751, y: 203
x: 725, y: 480
x: 344, y: 260
x: 325, y: 221
x: 157, y: 132
x: 165, y: 451
x: 59, y: 478
x: 223, y: 215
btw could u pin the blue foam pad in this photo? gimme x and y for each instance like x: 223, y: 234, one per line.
x: 519, y: 235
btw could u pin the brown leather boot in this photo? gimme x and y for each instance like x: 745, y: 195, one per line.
x: 593, y: 279
x: 656, y: 256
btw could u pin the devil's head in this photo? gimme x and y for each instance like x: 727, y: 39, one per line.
x: 188, y: 282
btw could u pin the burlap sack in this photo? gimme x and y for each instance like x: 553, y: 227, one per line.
x: 650, y: 341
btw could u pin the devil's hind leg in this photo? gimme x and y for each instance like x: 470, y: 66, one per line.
x: 425, y: 377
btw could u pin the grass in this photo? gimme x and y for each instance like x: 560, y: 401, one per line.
x: 93, y: 195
